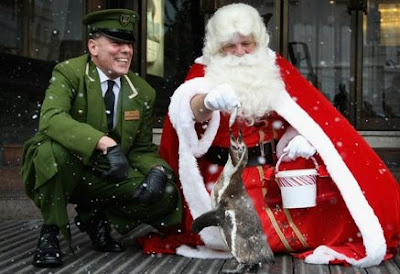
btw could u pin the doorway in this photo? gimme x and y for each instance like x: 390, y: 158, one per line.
x: 351, y: 53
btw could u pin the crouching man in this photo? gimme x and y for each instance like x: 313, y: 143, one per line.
x: 94, y: 146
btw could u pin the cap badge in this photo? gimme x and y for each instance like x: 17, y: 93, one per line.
x: 124, y: 19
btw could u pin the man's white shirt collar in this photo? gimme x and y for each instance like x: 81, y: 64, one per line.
x: 104, y: 78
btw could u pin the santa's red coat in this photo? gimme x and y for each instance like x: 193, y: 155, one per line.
x: 357, y: 217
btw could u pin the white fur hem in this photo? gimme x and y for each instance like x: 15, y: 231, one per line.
x: 202, y: 252
x: 324, y: 254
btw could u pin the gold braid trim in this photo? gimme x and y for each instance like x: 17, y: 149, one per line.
x: 261, y: 174
x: 262, y: 136
x: 295, y: 229
x: 278, y: 230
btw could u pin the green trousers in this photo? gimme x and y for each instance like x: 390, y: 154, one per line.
x: 82, y: 185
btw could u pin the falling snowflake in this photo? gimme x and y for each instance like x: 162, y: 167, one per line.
x: 210, y: 185
x: 213, y: 169
x: 277, y: 124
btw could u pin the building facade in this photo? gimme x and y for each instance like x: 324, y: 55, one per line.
x: 349, y: 49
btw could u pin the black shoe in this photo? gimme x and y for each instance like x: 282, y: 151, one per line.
x: 48, y: 253
x: 99, y: 232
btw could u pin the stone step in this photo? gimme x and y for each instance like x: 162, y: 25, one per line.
x: 11, y: 154
x: 15, y: 205
x: 10, y: 178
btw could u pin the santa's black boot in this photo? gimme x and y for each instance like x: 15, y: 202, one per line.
x: 48, y: 253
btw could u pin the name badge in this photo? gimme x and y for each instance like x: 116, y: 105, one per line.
x: 132, y: 115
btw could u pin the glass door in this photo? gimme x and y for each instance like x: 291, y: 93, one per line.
x: 35, y: 35
x: 351, y: 53
x: 380, y: 97
x: 320, y: 47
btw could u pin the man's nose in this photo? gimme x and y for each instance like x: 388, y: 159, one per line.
x: 126, y: 48
x: 240, y: 50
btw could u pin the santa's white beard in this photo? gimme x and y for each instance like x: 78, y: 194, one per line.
x: 254, y: 77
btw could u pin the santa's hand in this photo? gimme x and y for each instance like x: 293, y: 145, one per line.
x: 299, y: 147
x: 222, y: 97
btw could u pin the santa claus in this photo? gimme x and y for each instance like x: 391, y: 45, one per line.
x: 356, y: 219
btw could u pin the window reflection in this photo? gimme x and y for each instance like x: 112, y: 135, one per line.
x: 172, y: 46
x: 155, y: 37
x: 319, y: 46
x: 391, y: 98
x: 381, y: 63
x: 40, y: 29
x: 35, y: 36
x: 10, y: 19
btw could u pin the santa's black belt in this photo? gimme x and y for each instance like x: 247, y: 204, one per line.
x: 258, y: 155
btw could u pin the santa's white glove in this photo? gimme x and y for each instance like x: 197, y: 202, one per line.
x: 222, y: 97
x: 299, y: 147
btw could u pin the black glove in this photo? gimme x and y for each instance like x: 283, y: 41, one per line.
x: 152, y: 187
x: 119, y: 165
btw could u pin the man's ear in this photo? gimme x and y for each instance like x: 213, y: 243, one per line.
x: 92, y: 47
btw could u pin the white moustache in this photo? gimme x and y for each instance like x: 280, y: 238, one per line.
x: 247, y: 60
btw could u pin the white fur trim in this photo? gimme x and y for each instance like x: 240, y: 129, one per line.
x: 202, y: 252
x: 190, y: 147
x: 182, y: 117
x: 359, y: 208
x: 324, y: 254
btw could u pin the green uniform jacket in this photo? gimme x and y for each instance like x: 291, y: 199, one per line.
x: 73, y: 115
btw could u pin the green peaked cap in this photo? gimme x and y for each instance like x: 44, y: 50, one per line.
x: 116, y: 24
